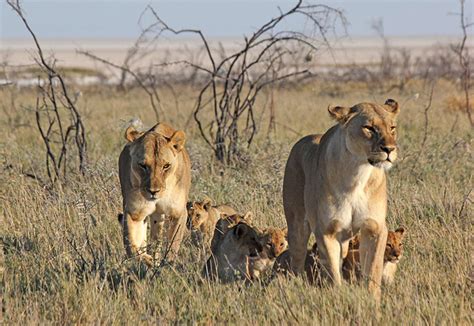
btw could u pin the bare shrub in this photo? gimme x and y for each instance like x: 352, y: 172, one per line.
x: 233, y: 82
x: 58, y: 120
x: 464, y: 59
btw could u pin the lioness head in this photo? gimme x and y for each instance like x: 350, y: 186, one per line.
x: 245, y: 240
x: 394, y: 247
x: 154, y: 157
x: 198, y: 213
x: 371, y: 131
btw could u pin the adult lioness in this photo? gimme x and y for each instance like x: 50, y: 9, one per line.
x: 155, y: 176
x: 335, y: 185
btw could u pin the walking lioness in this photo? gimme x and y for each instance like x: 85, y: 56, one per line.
x: 335, y: 185
x: 155, y: 176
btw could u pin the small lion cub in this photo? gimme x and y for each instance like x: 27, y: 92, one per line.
x: 393, y: 254
x: 274, y: 241
x: 202, y: 219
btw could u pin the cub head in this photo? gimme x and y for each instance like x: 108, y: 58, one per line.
x: 370, y: 131
x: 198, y: 213
x: 274, y: 241
x: 154, y: 157
x: 394, y: 247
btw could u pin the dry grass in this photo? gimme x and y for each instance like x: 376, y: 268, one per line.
x: 63, y: 253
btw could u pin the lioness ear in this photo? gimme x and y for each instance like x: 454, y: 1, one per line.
x: 178, y: 139
x: 248, y: 217
x: 240, y: 230
x: 339, y: 113
x: 163, y: 129
x: 285, y: 232
x: 131, y: 134
x: 392, y: 106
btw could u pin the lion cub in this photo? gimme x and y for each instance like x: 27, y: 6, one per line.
x: 274, y: 241
x: 351, y: 263
x: 202, y: 219
x: 392, y: 256
x: 232, y: 251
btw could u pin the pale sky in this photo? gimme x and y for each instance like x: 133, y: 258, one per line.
x: 119, y: 19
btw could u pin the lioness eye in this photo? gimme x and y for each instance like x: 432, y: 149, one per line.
x: 393, y: 128
x: 166, y: 166
x: 369, y: 128
x: 143, y: 166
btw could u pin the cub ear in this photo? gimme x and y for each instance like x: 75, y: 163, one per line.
x: 248, y: 217
x: 207, y: 204
x: 339, y: 113
x: 392, y: 106
x: 178, y: 139
x: 240, y: 230
x: 285, y: 232
x: 400, y: 230
x: 131, y: 134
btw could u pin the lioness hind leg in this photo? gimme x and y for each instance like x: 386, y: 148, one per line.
x: 134, y: 237
x: 372, y: 246
x: 298, y: 236
x: 174, y: 235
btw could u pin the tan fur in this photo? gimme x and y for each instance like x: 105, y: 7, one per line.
x: 392, y: 255
x: 155, y: 177
x: 232, y: 254
x: 274, y: 242
x: 335, y: 185
x: 202, y: 219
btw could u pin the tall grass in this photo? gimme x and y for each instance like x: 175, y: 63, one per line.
x: 63, y: 257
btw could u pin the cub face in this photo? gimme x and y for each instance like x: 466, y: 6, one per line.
x: 198, y: 213
x: 394, y: 247
x: 370, y: 131
x: 154, y: 158
x: 275, y: 241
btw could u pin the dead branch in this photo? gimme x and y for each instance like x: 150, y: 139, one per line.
x: 234, y: 81
x: 60, y: 138
x: 462, y: 52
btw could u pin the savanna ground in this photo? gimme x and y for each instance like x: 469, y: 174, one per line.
x: 64, y: 260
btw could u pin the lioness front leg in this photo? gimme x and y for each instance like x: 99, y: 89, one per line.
x: 372, y: 247
x: 174, y: 235
x: 157, y: 221
x: 330, y: 254
x: 134, y: 237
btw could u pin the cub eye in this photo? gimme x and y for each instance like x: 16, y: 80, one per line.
x: 369, y: 128
x: 143, y: 166
x: 393, y: 129
x: 166, y: 166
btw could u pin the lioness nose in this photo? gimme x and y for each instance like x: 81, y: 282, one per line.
x: 387, y: 149
x: 154, y: 191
